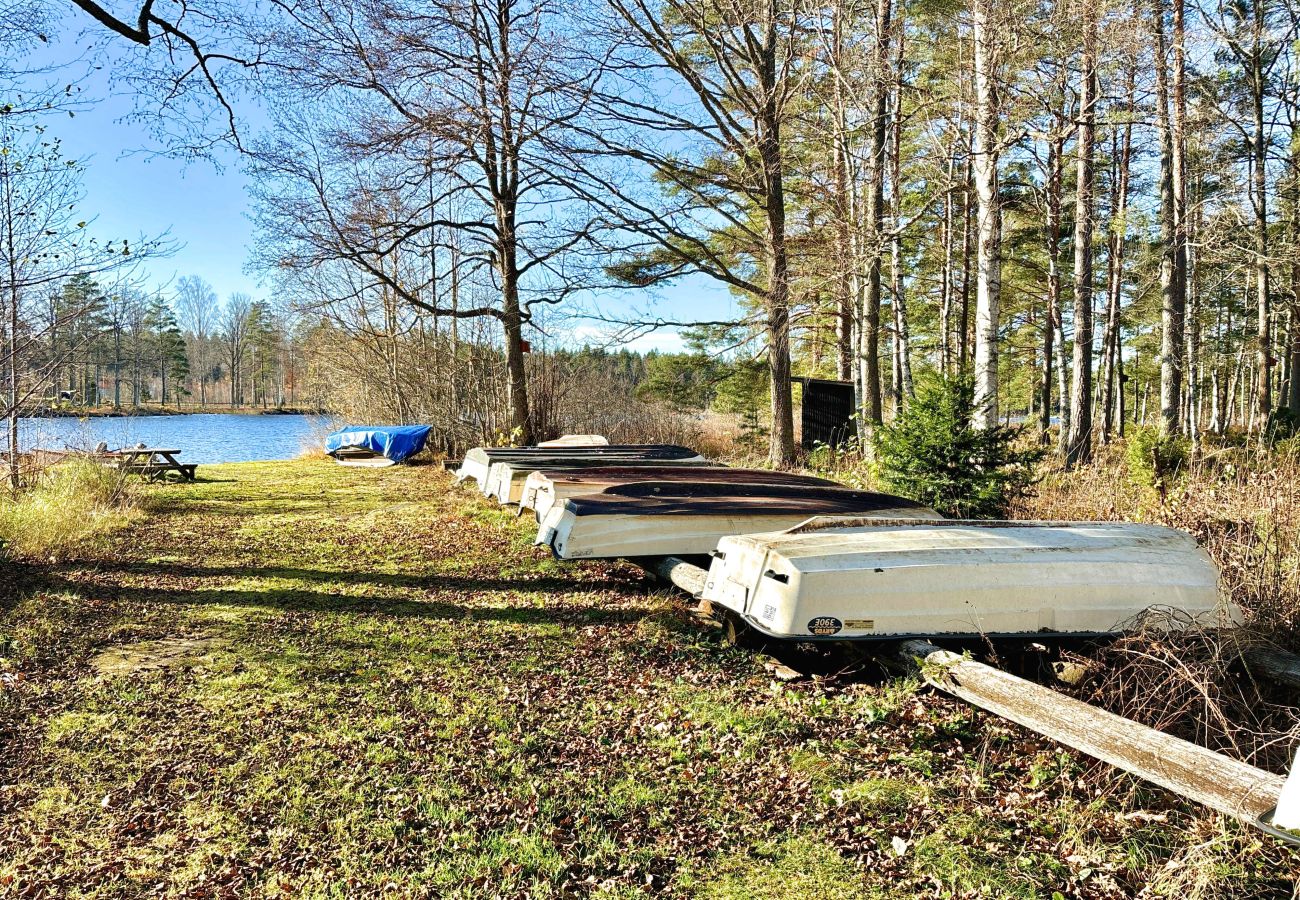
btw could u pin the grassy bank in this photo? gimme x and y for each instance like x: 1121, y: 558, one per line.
x: 294, y: 679
x: 65, y: 509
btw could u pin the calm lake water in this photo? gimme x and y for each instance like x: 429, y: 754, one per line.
x: 202, y: 438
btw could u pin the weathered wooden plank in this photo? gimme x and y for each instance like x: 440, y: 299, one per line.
x: 1278, y: 665
x: 1225, y: 785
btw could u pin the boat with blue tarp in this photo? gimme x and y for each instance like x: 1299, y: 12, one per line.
x: 376, y: 445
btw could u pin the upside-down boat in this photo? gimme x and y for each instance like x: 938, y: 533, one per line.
x: 478, y: 462
x: 577, y: 440
x: 867, y: 578
x: 689, y: 518
x: 508, y: 480
x: 547, y: 487
x: 376, y: 446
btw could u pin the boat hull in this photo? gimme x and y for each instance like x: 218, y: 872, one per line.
x: 547, y: 487
x: 577, y: 440
x: 626, y: 522
x: 478, y: 462
x: 869, y: 580
x: 508, y: 481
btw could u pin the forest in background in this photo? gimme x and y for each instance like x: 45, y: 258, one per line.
x: 1092, y: 208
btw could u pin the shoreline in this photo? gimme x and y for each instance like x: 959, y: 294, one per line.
x: 148, y: 411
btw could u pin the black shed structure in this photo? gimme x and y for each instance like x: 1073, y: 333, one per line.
x: 828, y: 408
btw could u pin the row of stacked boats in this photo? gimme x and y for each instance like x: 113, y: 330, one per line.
x: 804, y: 558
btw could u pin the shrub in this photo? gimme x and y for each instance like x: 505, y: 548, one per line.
x: 65, y: 507
x: 1282, y: 425
x: 932, y: 453
x: 1155, y: 460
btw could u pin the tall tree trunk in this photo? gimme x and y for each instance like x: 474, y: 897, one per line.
x: 781, y: 450
x: 843, y: 210
x: 1193, y: 368
x: 11, y: 349
x: 1115, y: 283
x: 967, y: 246
x: 1172, y: 302
x: 11, y: 338
x: 1293, y: 398
x: 1264, y: 349
x: 1053, y: 332
x: 902, y: 337
x: 1079, y: 449
x: 1119, y: 391
x: 946, y: 280
x: 988, y: 288
x: 516, y: 375
x: 875, y: 212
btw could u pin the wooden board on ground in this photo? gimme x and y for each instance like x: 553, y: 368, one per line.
x: 1228, y: 786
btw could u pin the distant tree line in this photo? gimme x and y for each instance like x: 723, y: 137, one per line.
x: 89, y: 345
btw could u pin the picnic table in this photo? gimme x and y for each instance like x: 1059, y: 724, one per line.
x: 153, y: 462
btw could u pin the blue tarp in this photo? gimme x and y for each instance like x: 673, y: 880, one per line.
x: 397, y: 442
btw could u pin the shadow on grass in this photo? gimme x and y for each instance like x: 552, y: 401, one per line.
x: 307, y: 600
x: 580, y: 583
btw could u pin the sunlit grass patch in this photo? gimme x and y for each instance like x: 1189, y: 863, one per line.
x: 967, y: 854
x: 883, y: 796
x: 67, y: 507
x: 796, y: 869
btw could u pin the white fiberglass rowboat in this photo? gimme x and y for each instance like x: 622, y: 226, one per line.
x: 688, y: 519
x: 577, y: 440
x: 507, y: 481
x: 547, y: 487
x: 856, y: 579
x: 478, y: 461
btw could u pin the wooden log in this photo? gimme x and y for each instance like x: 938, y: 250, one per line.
x: 1278, y: 665
x: 1225, y: 785
x: 686, y: 576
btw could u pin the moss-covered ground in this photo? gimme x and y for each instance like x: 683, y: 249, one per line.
x: 299, y: 680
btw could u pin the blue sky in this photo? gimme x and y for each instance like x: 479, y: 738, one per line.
x: 132, y: 189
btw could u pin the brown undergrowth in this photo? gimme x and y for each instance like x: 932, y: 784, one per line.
x: 1243, y: 507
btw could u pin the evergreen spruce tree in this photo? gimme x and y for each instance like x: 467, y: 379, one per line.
x: 932, y: 453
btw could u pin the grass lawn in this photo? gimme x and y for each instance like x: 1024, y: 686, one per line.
x: 296, y: 679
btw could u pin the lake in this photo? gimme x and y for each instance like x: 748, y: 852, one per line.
x: 202, y: 438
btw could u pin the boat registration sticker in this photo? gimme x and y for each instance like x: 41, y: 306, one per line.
x: 824, y: 625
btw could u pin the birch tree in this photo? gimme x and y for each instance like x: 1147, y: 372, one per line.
x: 986, y: 35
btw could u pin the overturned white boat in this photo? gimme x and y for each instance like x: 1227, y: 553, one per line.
x: 688, y: 519
x: 547, y: 487
x: 864, y: 578
x: 508, y: 481
x: 478, y: 462
x: 577, y: 440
